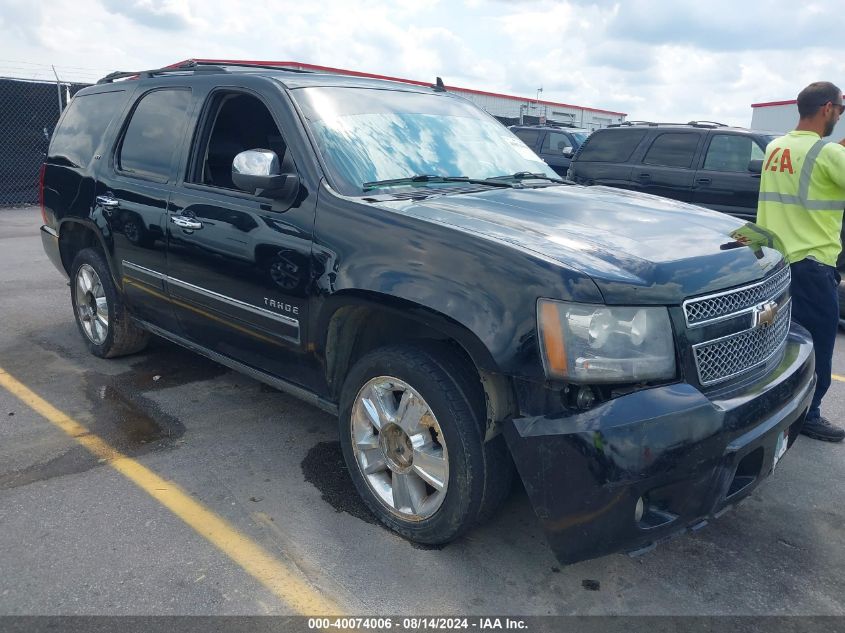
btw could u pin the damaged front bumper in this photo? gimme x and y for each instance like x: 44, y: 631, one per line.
x: 643, y: 466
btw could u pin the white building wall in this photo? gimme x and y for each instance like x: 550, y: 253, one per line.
x: 512, y: 108
x: 783, y: 118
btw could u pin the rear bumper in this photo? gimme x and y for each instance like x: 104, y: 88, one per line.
x: 50, y: 242
x: 688, y: 457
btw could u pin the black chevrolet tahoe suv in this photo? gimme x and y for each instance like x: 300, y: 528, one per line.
x: 555, y: 144
x: 391, y: 254
x: 701, y: 162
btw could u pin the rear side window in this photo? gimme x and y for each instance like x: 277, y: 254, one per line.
x: 555, y: 143
x: 672, y: 150
x: 529, y: 137
x: 81, y: 130
x: 611, y: 147
x: 154, y: 134
x: 731, y: 152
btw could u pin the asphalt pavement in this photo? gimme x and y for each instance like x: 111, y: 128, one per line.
x: 188, y: 489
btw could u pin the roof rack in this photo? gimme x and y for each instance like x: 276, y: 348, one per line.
x: 192, y: 66
x: 554, y: 124
x: 704, y: 124
x: 707, y: 124
x: 629, y: 123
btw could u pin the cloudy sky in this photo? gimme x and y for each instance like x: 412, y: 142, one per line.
x: 653, y: 59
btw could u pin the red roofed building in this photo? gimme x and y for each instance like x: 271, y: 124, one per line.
x: 510, y: 109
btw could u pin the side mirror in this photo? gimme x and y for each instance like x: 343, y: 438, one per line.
x: 568, y: 152
x: 756, y: 166
x: 257, y: 171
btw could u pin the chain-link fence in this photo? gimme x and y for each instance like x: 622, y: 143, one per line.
x: 29, y: 110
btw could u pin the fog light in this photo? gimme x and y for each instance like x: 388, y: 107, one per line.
x: 638, y: 511
x: 585, y: 398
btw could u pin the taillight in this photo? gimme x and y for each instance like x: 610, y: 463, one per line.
x: 41, y: 192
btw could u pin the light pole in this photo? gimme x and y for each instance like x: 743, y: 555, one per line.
x: 541, y: 118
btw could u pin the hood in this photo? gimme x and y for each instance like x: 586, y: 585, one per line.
x: 638, y: 248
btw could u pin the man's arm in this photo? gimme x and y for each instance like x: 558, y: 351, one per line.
x: 834, y: 154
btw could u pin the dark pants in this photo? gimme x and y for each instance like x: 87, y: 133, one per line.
x: 815, y: 305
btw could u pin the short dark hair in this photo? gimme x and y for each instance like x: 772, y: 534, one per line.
x: 815, y: 96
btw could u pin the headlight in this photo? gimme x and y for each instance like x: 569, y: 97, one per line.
x: 585, y: 343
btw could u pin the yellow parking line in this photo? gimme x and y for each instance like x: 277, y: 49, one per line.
x: 285, y: 583
x: 837, y: 377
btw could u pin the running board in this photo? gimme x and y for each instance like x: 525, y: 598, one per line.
x: 277, y: 383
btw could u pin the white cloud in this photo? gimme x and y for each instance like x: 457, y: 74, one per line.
x: 653, y: 60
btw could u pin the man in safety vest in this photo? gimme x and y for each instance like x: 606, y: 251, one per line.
x: 802, y: 196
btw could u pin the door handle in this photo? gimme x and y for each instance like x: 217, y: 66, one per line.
x: 644, y: 177
x: 703, y: 181
x: 108, y: 202
x: 184, y: 222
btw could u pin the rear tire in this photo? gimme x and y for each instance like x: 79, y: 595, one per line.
x: 99, y: 309
x: 411, y: 430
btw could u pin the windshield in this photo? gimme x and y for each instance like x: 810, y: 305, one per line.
x: 368, y: 135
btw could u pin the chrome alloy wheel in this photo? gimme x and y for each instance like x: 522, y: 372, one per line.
x: 92, y: 308
x: 399, y: 448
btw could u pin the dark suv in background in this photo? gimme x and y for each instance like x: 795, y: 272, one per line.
x: 555, y: 144
x: 705, y: 163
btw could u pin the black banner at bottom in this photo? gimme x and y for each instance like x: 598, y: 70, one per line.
x: 403, y: 624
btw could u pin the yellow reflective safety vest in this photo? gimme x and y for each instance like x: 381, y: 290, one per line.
x: 802, y: 195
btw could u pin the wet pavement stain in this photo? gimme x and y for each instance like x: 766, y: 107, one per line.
x: 325, y: 469
x: 164, y: 365
x: 128, y: 421
x: 120, y: 412
x: 74, y: 461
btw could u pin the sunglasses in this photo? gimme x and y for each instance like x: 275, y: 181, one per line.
x: 835, y: 105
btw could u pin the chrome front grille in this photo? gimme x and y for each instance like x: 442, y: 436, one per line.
x: 725, y: 305
x: 732, y: 355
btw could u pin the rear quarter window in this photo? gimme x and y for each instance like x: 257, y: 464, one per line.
x: 611, y: 147
x: 82, y: 127
x: 154, y: 134
x: 672, y: 149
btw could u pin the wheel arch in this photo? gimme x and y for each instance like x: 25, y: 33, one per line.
x: 75, y: 235
x: 357, y: 322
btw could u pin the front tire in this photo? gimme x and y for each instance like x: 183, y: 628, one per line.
x: 99, y: 309
x: 411, y: 432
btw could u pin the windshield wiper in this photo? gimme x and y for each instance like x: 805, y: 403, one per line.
x: 526, y: 175
x: 428, y: 178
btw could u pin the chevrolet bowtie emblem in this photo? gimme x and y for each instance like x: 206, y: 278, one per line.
x: 765, y: 313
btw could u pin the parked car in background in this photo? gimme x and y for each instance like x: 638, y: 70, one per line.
x: 705, y: 163
x: 555, y: 144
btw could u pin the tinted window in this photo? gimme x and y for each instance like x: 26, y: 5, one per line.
x: 82, y: 127
x: 154, y: 133
x: 731, y: 152
x: 612, y: 147
x: 529, y: 137
x: 672, y: 150
x: 555, y: 142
